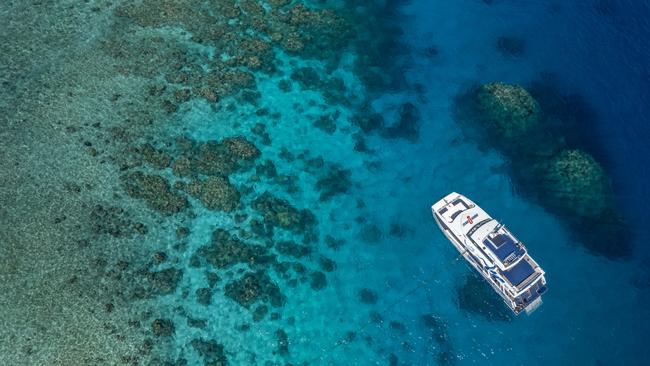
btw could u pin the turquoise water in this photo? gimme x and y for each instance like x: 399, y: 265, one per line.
x: 378, y: 283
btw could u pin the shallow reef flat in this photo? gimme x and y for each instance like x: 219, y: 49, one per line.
x: 56, y: 144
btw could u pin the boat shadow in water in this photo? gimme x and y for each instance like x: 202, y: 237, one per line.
x: 550, y: 163
x: 475, y: 296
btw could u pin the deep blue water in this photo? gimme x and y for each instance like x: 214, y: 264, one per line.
x: 596, y: 51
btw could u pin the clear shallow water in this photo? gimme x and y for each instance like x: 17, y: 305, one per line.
x: 595, y: 311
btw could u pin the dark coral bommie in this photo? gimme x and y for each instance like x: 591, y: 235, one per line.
x: 538, y: 143
x: 574, y: 180
x: 367, y: 296
x: 336, y: 181
x: 161, y: 282
x: 254, y: 287
x: 283, y: 342
x: 241, y: 148
x: 215, y: 193
x: 292, y: 249
x: 155, y: 157
x: 370, y: 234
x: 203, y: 295
x: 267, y: 169
x: 505, y: 117
x: 279, y: 212
x: 226, y: 250
x: 368, y: 121
x: 333, y: 243
x: 575, y: 186
x: 211, y: 351
x: 215, y: 158
x: 260, y: 312
x: 162, y: 327
x: 156, y: 191
x: 327, y: 264
x: 509, y: 110
x: 326, y: 123
x: 317, y: 280
x: 322, y: 33
x: 307, y: 77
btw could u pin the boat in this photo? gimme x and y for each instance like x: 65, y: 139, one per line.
x: 493, y: 251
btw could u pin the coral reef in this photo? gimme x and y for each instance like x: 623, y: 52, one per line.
x: 368, y: 121
x: 509, y: 111
x: 292, y: 249
x: 336, y: 181
x: 155, y: 157
x: 538, y: 142
x: 254, y: 287
x: 215, y: 193
x: 211, y: 351
x: 164, y: 57
x: 326, y: 264
x: 307, y: 77
x: 161, y: 57
x: 161, y: 282
x: 260, y: 312
x: 574, y: 181
x: 370, y: 234
x: 283, y: 342
x: 327, y: 123
x: 204, y: 295
x: 197, y: 323
x: 215, y: 158
x: 367, y: 296
x: 334, y: 243
x: 317, y: 280
x: 162, y: 327
x: 155, y: 190
x: 240, y: 148
x: 397, y: 326
x: 226, y: 250
x: 279, y: 212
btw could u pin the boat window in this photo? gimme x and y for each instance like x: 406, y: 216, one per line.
x: 455, y: 215
x: 458, y: 201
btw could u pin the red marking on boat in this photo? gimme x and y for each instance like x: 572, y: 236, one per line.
x: 469, y: 220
